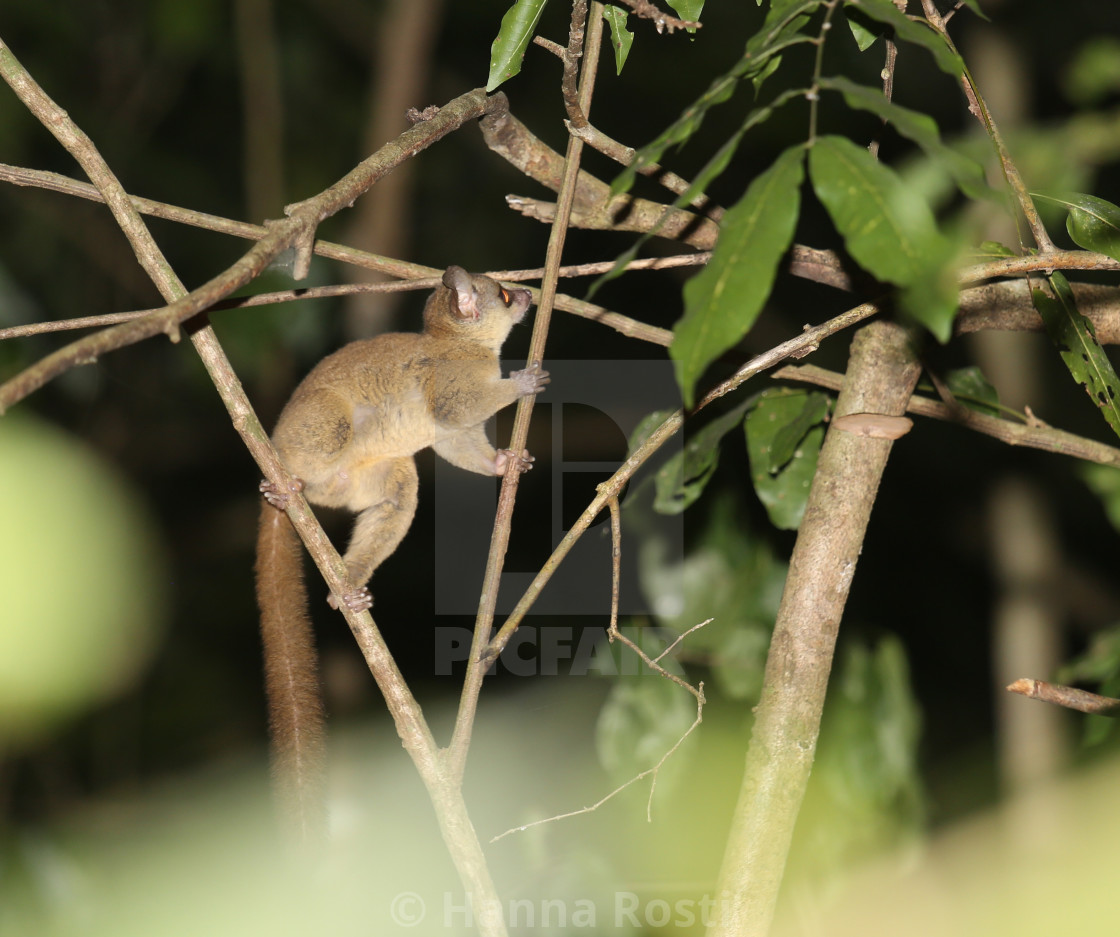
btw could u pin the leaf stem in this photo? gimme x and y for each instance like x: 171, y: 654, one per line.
x: 813, y: 95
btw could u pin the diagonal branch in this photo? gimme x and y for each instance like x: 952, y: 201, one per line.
x: 445, y: 794
x: 296, y: 230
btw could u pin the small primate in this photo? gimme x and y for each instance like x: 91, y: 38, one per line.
x: 348, y: 436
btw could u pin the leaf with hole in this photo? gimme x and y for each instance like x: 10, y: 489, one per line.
x: 514, y: 36
x: 1073, y: 335
x: 621, y: 37
x: 724, y: 299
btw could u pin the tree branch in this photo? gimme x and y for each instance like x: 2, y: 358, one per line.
x: 297, y: 230
x: 450, y: 809
x: 1067, y: 696
x: 882, y: 372
x: 1046, y: 438
x: 477, y: 667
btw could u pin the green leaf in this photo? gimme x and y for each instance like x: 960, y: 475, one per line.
x: 970, y: 387
x: 1093, y: 223
x: 992, y: 250
x: 888, y: 228
x: 779, y: 31
x: 514, y: 36
x: 1104, y: 482
x: 730, y: 575
x: 621, y: 37
x: 922, y: 129
x: 687, y: 9
x: 1094, y: 72
x: 784, y: 437
x: 864, y: 29
x: 885, y: 230
x: 724, y: 299
x: 681, y: 480
x: 918, y: 33
x: 1076, y: 341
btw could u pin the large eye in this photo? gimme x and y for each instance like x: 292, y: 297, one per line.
x: 504, y: 293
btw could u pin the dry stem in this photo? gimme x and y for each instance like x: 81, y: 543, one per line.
x: 456, y: 753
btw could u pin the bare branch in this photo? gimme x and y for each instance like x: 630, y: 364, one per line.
x: 1034, y: 435
x: 456, y: 754
x: 1067, y: 696
x: 297, y: 230
x: 661, y: 21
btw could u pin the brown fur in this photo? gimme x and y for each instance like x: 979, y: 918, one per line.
x: 349, y: 434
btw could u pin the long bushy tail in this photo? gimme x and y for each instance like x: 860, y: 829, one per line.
x: 295, y: 704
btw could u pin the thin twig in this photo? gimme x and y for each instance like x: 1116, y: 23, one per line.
x: 456, y: 752
x: 661, y: 21
x: 888, y: 90
x: 297, y: 230
x: 624, y: 155
x: 1031, y: 435
x: 652, y: 663
x: 653, y: 770
x: 1067, y: 696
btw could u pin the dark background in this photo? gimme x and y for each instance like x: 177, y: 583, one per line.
x: 157, y: 87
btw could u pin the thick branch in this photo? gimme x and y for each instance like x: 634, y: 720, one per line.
x: 882, y: 372
x: 593, y: 206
